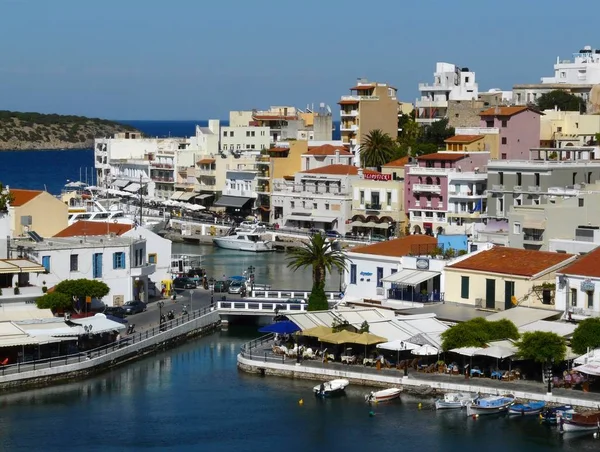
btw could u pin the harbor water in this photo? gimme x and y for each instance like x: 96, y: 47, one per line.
x: 194, y: 398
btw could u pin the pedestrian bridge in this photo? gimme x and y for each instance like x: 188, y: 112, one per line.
x: 258, y: 308
x: 286, y: 294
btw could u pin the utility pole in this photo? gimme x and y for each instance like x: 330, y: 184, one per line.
x: 141, y: 200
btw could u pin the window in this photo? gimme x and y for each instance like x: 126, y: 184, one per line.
x: 252, y: 133
x: 97, y: 265
x: 352, y: 273
x: 464, y: 287
x: 589, y: 178
x: 574, y: 177
x: 247, y: 133
x: 231, y: 134
x: 518, y: 201
x: 504, y: 140
x: 559, y: 129
x: 262, y: 133
x: 46, y: 263
x: 500, y: 205
x: 326, y: 206
x: 379, y: 276
x: 590, y: 300
x: 503, y: 157
x: 580, y: 200
x: 388, y: 198
x: 466, y: 79
x: 519, y: 179
x: 152, y: 258
x: 501, y: 177
x: 119, y: 260
x: 292, y: 204
x: 574, y: 297
x: 489, y: 123
x: 536, y: 179
x: 315, y: 205
x: 225, y: 133
x: 504, y: 122
x: 517, y: 228
x: 362, y: 197
x: 238, y: 147
x: 74, y: 262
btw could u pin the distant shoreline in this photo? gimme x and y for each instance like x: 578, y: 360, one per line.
x: 90, y: 148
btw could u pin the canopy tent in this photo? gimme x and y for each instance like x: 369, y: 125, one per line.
x: 186, y: 196
x: 316, y: 219
x: 120, y: 183
x: 317, y: 331
x: 397, y: 346
x: 204, y: 195
x: 341, y: 337
x: 592, y: 368
x: 133, y: 188
x: 177, y: 195
x: 591, y: 356
x: 466, y: 351
x: 369, y: 339
x: 409, y: 277
x: 236, y: 202
x: 8, y: 266
x: 284, y: 327
x: 425, y: 350
x: 497, y: 351
x: 99, y: 323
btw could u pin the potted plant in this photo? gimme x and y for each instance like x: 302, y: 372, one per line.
x: 16, y: 290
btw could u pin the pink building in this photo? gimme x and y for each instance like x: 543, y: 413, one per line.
x: 519, y: 130
x: 444, y: 192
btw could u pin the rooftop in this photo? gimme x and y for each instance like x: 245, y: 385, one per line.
x: 327, y: 149
x: 464, y: 139
x: 507, y: 111
x: 401, y: 162
x: 444, y: 156
x: 398, y: 247
x: 87, y: 228
x: 340, y: 170
x: 512, y: 261
x: 21, y: 197
x: 587, y: 265
x: 67, y: 243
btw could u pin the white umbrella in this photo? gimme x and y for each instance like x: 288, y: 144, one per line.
x: 591, y: 356
x: 497, y: 351
x: 397, y: 346
x: 425, y: 350
x: 466, y: 351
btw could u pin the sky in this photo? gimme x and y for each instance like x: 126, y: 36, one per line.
x: 199, y: 59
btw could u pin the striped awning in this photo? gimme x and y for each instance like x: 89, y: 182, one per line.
x: 20, y: 266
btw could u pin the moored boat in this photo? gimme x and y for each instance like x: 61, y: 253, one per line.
x: 454, y: 400
x: 552, y: 415
x: 331, y: 388
x: 580, y: 422
x: 383, y: 396
x: 244, y: 241
x: 490, y: 405
x: 526, y: 409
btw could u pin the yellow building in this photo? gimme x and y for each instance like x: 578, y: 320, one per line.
x: 369, y: 106
x: 36, y: 210
x: 501, y: 277
x: 473, y: 143
x: 396, y: 168
x: 568, y: 128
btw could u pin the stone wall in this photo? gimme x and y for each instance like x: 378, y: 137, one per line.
x: 464, y: 113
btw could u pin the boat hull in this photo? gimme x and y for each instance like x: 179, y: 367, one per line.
x: 333, y: 388
x: 526, y: 409
x: 240, y: 245
x: 442, y: 405
x: 490, y: 405
x: 471, y: 411
x: 570, y: 426
x: 383, y: 396
x: 454, y: 401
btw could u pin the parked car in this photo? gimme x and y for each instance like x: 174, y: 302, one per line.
x: 236, y: 287
x: 296, y: 300
x: 184, y: 283
x: 134, y: 307
x: 334, y: 234
x: 378, y: 238
x: 314, y: 231
x: 115, y: 311
x: 222, y: 286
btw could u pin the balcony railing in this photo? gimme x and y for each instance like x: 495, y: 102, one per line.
x: 534, y: 188
x: 373, y: 206
x: 349, y: 113
x: 427, y: 188
x: 409, y: 294
x: 533, y: 237
x: 497, y: 188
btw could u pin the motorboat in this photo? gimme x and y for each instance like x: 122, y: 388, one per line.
x: 454, y: 400
x: 383, y: 396
x: 331, y: 388
x: 552, y: 415
x: 490, y: 405
x: 244, y: 241
x: 580, y: 422
x: 527, y: 409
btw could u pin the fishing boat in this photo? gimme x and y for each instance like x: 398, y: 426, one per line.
x: 453, y: 400
x: 383, y: 396
x: 580, y: 422
x: 331, y: 388
x: 526, y: 409
x: 552, y: 415
x: 244, y: 241
x: 490, y: 405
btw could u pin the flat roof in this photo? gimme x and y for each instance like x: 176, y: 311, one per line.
x: 450, y: 312
x: 59, y: 243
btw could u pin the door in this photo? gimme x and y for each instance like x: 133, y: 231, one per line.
x: 509, y: 291
x: 490, y: 293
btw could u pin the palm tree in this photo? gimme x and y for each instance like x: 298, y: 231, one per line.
x: 376, y: 149
x: 319, y: 254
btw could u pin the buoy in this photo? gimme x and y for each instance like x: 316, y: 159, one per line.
x: 300, y: 402
x: 420, y: 405
x: 595, y: 434
x: 371, y: 414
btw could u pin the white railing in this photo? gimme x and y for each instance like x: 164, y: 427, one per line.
x: 427, y: 170
x: 427, y: 187
x: 349, y: 113
x: 260, y: 306
x: 477, y: 131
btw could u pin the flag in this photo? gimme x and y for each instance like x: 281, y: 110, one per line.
x: 478, y: 206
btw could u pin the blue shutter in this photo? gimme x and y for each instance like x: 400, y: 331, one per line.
x: 115, y: 261
x: 352, y: 273
x: 46, y: 262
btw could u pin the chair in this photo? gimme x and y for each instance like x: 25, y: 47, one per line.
x: 4, y: 362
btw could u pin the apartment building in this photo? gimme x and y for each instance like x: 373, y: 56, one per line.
x: 450, y: 83
x: 370, y: 106
x: 317, y: 198
x: 445, y: 192
x: 576, y: 76
x: 239, y: 195
x: 396, y: 168
x: 568, y: 128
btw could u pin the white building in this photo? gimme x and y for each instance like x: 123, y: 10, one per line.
x: 120, y: 262
x: 245, y: 138
x: 576, y: 285
x: 324, y: 155
x: 240, y: 191
x: 450, y: 83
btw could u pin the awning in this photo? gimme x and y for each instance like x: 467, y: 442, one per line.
x: 133, y: 188
x: 410, y: 277
x: 20, y: 266
x: 316, y: 219
x: 534, y: 224
x: 205, y: 162
x: 231, y: 201
x: 99, y: 324
x: 592, y: 368
x: 120, y: 183
x: 369, y: 224
x: 186, y: 196
x: 204, y: 195
x: 177, y: 194
x: 15, y: 312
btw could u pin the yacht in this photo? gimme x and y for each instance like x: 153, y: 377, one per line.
x: 241, y: 240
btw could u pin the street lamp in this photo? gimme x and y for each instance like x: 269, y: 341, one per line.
x: 549, y: 375
x: 251, y: 276
x: 160, y: 317
x: 211, y: 282
x: 191, y: 301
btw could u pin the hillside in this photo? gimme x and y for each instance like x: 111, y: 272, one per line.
x: 24, y: 131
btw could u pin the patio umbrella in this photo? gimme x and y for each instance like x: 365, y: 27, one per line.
x: 341, y: 337
x: 317, y: 331
x: 285, y: 327
x: 369, y: 339
x: 397, y: 346
x: 466, y: 351
x: 425, y: 350
x: 497, y: 351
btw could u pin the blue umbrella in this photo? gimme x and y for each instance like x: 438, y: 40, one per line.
x: 285, y: 327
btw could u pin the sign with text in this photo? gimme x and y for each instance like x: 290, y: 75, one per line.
x: 422, y: 263
x: 380, y: 177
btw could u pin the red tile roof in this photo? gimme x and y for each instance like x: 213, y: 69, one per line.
x: 416, y: 244
x: 445, y: 156
x: 327, y: 149
x: 402, y: 162
x: 587, y: 265
x: 507, y: 111
x: 348, y: 102
x: 90, y: 228
x: 349, y: 170
x: 21, y: 197
x: 464, y: 139
x: 512, y: 261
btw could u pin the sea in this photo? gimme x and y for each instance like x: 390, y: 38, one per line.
x: 194, y: 398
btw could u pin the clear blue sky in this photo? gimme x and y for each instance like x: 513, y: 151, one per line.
x: 198, y: 59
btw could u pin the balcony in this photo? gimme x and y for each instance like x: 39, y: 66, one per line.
x: 497, y: 188
x: 425, y: 171
x: 534, y: 188
x: 263, y: 189
x: 535, y: 238
x: 349, y: 113
x: 373, y: 206
x: 464, y: 214
x: 426, y: 188
x: 143, y: 270
x: 348, y: 127
x: 425, y: 103
x: 428, y: 87
x: 359, y: 98
x: 466, y: 194
x: 410, y: 294
x: 154, y: 164
x: 162, y: 179
x: 205, y: 172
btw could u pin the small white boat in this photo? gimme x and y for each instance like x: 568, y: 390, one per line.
x: 580, y: 423
x: 331, y: 388
x: 244, y: 241
x: 453, y: 400
x: 490, y: 405
x: 383, y: 396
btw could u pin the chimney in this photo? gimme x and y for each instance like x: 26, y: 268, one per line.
x: 497, y: 110
x: 337, y: 156
x: 360, y: 173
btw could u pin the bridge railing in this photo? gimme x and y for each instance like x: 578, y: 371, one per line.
x: 267, y: 306
x: 290, y: 293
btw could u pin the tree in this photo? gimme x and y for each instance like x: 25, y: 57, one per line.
x: 542, y: 347
x: 437, y: 133
x: 320, y: 254
x: 587, y: 334
x: 478, y: 332
x: 82, y: 288
x: 562, y: 100
x: 54, y: 300
x: 503, y: 329
x: 376, y: 149
x: 364, y: 327
x: 6, y: 197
